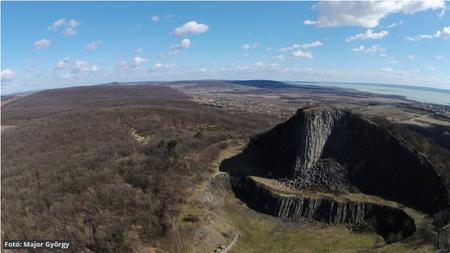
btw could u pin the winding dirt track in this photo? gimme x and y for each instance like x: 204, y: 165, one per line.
x: 232, y: 243
x: 227, y: 153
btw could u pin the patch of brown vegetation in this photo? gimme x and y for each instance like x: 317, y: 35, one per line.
x: 71, y: 169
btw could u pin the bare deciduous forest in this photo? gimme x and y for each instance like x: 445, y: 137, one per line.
x: 107, y: 166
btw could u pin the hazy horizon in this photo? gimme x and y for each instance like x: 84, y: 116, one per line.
x: 306, y: 82
x: 59, y: 44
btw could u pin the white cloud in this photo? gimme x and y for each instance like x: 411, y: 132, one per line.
x: 366, y: 13
x: 41, y: 44
x: 290, y: 48
x: 92, y: 46
x: 279, y: 57
x: 156, y: 18
x: 186, y: 43
x: 395, y: 24
x: 359, y: 49
x: 66, y: 77
x: 159, y: 68
x: 76, y: 66
x: 136, y: 63
x: 191, y: 27
x: 440, y: 57
x: 301, y: 54
x: 309, y: 22
x: 82, y: 66
x: 73, y: 23
x: 442, y: 13
x: 411, y: 57
x: 63, y: 64
x: 262, y: 70
x: 177, y: 48
x: 7, y: 75
x: 71, y: 26
x: 250, y: 46
x: 69, y: 31
x: 312, y: 45
x: 297, y: 52
x: 420, y: 37
x: 402, y: 74
x: 257, y: 67
x: 444, y: 34
x: 122, y: 65
x: 58, y: 23
x: 368, y: 50
x: 266, y: 65
x: 162, y: 66
x: 303, y: 46
x: 139, y: 61
x: 174, y: 52
x: 374, y: 49
x: 391, y: 71
x: 368, y: 35
x: 69, y: 69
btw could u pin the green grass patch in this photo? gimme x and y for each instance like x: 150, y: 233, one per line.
x: 264, y: 233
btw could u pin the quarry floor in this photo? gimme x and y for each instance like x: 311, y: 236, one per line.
x: 223, y: 223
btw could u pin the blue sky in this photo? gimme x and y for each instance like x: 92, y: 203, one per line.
x: 59, y: 44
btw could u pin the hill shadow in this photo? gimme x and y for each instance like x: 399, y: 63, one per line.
x: 249, y: 162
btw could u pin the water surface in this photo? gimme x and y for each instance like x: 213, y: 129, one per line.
x: 420, y: 94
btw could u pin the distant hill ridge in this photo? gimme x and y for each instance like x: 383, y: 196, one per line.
x: 267, y: 84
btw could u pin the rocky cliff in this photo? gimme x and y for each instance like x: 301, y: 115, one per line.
x: 330, y: 149
x: 391, y: 223
x: 315, y: 128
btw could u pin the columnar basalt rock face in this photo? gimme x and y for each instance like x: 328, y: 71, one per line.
x: 391, y: 223
x: 315, y: 129
x: 330, y: 149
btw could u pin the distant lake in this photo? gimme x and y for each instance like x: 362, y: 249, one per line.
x: 421, y: 94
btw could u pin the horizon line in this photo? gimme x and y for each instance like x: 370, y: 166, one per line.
x: 314, y: 83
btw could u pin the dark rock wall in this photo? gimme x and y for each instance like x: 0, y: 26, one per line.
x: 392, y: 224
x: 277, y: 149
x: 366, y: 158
x: 381, y: 164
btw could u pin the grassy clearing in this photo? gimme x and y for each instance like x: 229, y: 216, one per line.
x: 416, y: 243
x: 263, y: 233
x: 406, y: 248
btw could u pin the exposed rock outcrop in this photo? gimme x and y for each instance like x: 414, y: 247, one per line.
x: 333, y: 166
x: 329, y: 149
x: 314, y: 132
x: 391, y: 223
